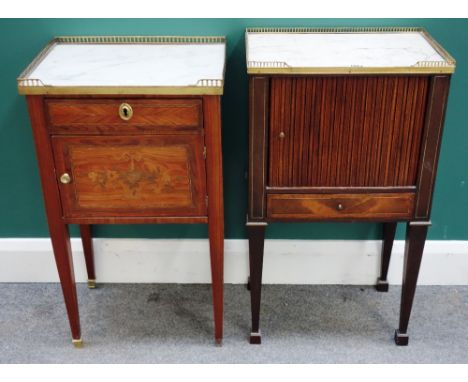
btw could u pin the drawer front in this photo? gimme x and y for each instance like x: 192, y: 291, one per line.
x: 73, y: 116
x: 391, y: 206
x: 131, y: 176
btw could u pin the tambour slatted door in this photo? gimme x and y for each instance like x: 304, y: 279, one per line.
x: 346, y: 131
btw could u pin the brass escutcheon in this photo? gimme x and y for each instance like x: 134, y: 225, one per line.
x: 125, y: 111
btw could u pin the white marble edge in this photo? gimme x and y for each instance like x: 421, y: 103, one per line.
x: 433, y: 58
x: 212, y: 83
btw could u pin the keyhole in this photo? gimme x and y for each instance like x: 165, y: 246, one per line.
x: 125, y: 111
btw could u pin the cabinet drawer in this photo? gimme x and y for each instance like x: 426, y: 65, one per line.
x: 84, y: 116
x: 384, y: 206
x: 125, y: 176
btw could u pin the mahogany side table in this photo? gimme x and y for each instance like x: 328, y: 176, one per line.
x: 128, y: 130
x: 345, y: 125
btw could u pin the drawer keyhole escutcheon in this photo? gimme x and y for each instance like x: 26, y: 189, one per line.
x: 340, y: 207
x: 125, y: 111
x: 65, y: 178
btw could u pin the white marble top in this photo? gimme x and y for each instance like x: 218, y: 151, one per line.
x: 340, y: 50
x: 105, y: 65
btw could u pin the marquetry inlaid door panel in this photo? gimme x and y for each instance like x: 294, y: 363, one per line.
x: 131, y: 176
x: 346, y: 131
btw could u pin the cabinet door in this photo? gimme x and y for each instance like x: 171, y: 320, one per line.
x: 131, y: 176
x: 346, y: 131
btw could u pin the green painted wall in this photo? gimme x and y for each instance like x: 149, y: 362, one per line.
x: 21, y: 206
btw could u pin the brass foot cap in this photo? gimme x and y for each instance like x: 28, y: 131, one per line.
x: 255, y: 338
x: 91, y: 283
x: 77, y: 343
x: 401, y: 339
x: 382, y: 285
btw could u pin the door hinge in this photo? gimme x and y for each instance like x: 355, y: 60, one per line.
x: 206, y: 200
x: 204, y: 152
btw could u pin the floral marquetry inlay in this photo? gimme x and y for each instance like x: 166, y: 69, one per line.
x: 140, y: 171
x: 111, y: 176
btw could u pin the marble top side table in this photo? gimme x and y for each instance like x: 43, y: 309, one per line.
x: 128, y: 130
x: 345, y: 125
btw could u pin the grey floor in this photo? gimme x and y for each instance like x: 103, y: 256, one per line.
x: 168, y: 323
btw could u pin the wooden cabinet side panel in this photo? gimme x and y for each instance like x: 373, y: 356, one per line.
x: 258, y: 136
x: 435, y: 116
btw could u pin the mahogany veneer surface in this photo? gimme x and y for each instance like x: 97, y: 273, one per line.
x: 336, y: 206
x: 91, y: 116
